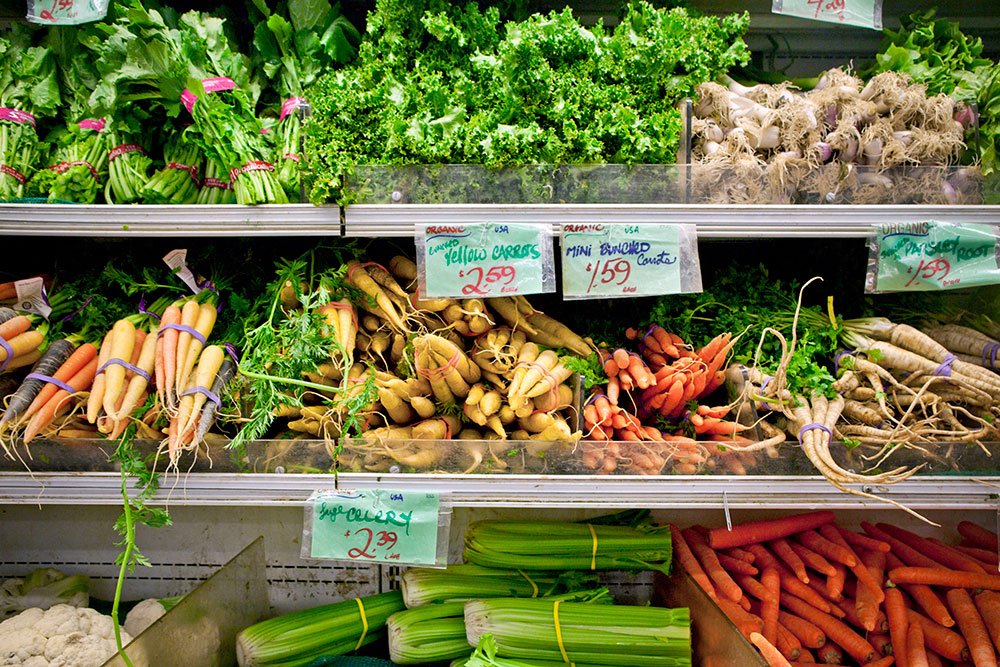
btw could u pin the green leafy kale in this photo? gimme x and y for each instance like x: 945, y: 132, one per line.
x: 450, y: 83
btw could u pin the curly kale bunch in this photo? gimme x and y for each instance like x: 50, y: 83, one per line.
x: 437, y: 82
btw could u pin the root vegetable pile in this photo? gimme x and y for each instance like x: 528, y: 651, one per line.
x: 844, y: 141
x: 879, y: 596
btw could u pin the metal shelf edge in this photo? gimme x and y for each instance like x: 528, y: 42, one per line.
x: 713, y: 221
x: 152, y: 220
x: 223, y: 489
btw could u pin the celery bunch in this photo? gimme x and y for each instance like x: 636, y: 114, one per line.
x: 314, y: 636
x: 587, y: 634
x: 551, y: 545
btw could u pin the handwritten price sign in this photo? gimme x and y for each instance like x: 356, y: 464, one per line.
x: 863, y: 13
x: 613, y: 260
x: 924, y: 256
x: 484, y: 260
x: 374, y: 525
x: 66, y: 12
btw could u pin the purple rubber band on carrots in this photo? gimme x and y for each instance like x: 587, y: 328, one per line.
x: 836, y: 360
x: 945, y: 368
x: 10, y: 353
x: 812, y: 427
x: 233, y: 352
x: 51, y: 380
x: 206, y: 392
x: 77, y: 311
x: 185, y: 328
x: 121, y: 362
x: 990, y: 350
x: 142, y: 307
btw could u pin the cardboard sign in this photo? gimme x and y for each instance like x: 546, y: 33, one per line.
x: 31, y: 297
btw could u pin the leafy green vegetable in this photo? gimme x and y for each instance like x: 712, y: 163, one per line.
x: 591, y: 367
x: 29, y: 85
x: 937, y: 53
x: 294, y: 52
x: 438, y: 82
x: 281, y: 347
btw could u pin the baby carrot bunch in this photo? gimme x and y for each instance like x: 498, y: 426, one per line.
x: 20, y: 344
x: 662, y: 384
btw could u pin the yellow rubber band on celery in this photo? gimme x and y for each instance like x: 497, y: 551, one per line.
x: 830, y: 313
x: 364, y: 623
x: 534, y: 586
x: 559, y: 639
x: 593, y: 555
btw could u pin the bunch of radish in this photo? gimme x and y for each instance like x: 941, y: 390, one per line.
x: 838, y: 142
x: 818, y: 593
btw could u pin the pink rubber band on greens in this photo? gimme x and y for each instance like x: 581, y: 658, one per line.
x: 51, y: 380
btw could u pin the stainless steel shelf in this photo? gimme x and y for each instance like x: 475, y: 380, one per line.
x: 714, y: 222
x: 366, y: 220
x: 146, y: 220
x: 221, y: 489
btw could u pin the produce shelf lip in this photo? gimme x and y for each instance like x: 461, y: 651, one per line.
x: 713, y: 221
x: 166, y: 220
x: 677, y: 492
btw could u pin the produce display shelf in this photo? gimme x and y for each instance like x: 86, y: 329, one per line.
x: 128, y: 221
x: 713, y: 221
x: 676, y: 492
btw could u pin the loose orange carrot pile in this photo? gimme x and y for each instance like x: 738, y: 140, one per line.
x: 888, y: 596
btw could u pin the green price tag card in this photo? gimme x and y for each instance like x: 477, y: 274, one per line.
x: 480, y: 260
x: 66, y: 12
x: 613, y: 260
x: 925, y: 256
x: 862, y: 13
x: 374, y: 525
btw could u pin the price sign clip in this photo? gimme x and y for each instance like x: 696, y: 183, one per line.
x: 31, y: 297
x: 177, y: 261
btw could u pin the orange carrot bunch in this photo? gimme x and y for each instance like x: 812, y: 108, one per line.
x: 663, y: 381
x: 819, y: 593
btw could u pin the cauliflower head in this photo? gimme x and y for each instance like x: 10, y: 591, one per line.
x: 61, y: 636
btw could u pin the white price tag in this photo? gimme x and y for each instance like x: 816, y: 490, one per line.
x: 177, y: 261
x: 31, y: 297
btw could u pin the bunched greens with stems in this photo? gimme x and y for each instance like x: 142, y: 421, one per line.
x: 281, y: 347
x: 29, y: 87
x: 227, y: 130
x: 177, y: 182
x: 295, y: 50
